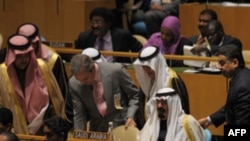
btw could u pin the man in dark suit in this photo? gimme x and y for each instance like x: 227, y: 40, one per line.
x: 216, y: 38
x: 236, y: 110
x: 101, y: 93
x: 104, y: 36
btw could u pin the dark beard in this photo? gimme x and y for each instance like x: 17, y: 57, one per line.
x: 228, y: 74
x: 161, y: 113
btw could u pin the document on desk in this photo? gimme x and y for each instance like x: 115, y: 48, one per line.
x: 192, y: 63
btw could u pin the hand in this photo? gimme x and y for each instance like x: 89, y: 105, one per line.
x: 204, y: 122
x: 198, y: 49
x: 129, y: 122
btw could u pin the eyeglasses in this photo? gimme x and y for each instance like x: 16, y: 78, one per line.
x: 163, y: 102
x: 97, y: 21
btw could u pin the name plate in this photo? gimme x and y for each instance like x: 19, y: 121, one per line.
x: 59, y: 44
x: 100, y: 136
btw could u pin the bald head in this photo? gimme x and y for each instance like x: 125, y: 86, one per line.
x: 214, y: 32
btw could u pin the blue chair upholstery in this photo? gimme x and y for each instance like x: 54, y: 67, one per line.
x: 208, y: 135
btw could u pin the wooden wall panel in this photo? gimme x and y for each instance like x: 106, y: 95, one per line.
x: 58, y: 20
x: 189, y: 15
x: 205, y: 96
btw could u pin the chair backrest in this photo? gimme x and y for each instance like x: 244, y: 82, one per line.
x: 1, y: 41
x: 246, y: 55
x: 141, y: 39
x: 120, y: 134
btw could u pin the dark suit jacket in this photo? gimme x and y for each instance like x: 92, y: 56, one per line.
x: 237, y: 108
x: 226, y: 40
x: 179, y: 51
x: 122, y: 40
x: 115, y: 81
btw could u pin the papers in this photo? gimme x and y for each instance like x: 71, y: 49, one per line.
x: 187, y: 52
x: 191, y: 71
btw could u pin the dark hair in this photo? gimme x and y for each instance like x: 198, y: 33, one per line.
x: 102, y: 12
x: 6, y: 116
x: 58, y: 125
x: 11, y: 136
x: 210, y: 12
x: 232, y: 52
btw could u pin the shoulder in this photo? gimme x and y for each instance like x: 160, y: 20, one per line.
x: 112, y: 69
x: 229, y: 38
x: 191, y: 122
x: 154, y: 39
x: 186, y: 41
x: 155, y: 36
x: 110, y: 66
x: 85, y: 34
x: 241, y: 77
x: 73, y: 82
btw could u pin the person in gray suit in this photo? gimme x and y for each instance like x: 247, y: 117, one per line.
x: 117, y: 94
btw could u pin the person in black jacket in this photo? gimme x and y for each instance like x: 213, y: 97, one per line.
x: 236, y: 110
x: 216, y: 38
x: 104, y: 36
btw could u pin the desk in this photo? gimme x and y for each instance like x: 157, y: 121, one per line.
x: 207, y: 93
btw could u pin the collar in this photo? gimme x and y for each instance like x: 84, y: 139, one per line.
x: 106, y: 37
x: 97, y: 73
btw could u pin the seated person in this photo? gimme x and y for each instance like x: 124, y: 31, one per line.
x: 169, y: 122
x: 6, y: 119
x: 30, y: 91
x: 56, y: 129
x: 216, y: 39
x: 153, y: 74
x: 8, y: 136
x: 205, y: 16
x: 170, y: 40
x: 104, y: 36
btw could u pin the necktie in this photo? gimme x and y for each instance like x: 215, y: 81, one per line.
x: 101, y: 44
x: 99, y: 98
x: 200, y: 41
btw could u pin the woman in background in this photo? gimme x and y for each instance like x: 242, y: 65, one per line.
x: 170, y: 40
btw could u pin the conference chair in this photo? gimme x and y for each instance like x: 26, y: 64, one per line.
x: 120, y: 134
